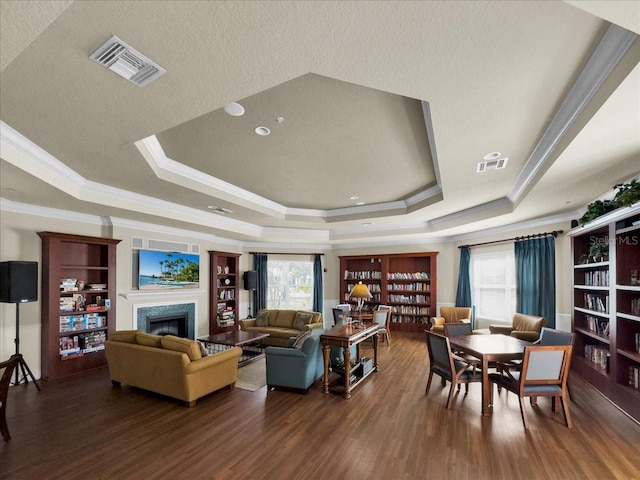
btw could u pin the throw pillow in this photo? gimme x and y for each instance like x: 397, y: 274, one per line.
x: 262, y: 318
x: 301, y: 319
x: 203, y: 349
x: 184, y: 345
x: 148, y: 339
x: 300, y: 339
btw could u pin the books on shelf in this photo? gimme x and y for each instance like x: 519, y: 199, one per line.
x: 634, y: 377
x: 363, y: 275
x: 228, y: 294
x: 599, y: 356
x: 71, y: 323
x: 597, y: 278
x: 597, y: 303
x: 408, y: 276
x: 598, y: 325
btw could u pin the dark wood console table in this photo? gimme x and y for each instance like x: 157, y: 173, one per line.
x: 346, y: 336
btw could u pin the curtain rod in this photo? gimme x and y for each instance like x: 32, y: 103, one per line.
x: 555, y: 233
x: 281, y: 253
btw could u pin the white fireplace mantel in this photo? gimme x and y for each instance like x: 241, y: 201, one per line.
x: 163, y: 293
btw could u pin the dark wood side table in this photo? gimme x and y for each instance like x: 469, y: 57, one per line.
x: 346, y: 336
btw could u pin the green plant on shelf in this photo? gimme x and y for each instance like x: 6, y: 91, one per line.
x: 339, y: 363
x: 599, y: 251
x: 627, y: 195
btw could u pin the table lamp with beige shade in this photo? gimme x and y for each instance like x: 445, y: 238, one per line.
x: 360, y: 292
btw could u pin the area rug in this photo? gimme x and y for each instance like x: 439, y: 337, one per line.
x: 252, y: 376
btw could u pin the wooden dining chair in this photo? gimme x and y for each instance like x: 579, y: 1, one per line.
x: 451, y: 367
x: 382, y: 318
x: 548, y: 337
x: 544, y: 373
x: 6, y: 368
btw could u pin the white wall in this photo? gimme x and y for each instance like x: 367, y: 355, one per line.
x: 19, y: 241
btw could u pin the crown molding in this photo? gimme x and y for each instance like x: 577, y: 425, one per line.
x: 612, y: 47
x: 177, y: 173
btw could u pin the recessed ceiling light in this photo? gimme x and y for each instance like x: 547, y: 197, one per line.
x: 262, y: 131
x: 354, y: 197
x: 360, y: 203
x: 234, y: 109
x: 492, y: 155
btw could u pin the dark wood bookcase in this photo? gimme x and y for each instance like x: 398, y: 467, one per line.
x: 224, y: 281
x: 78, y: 302
x: 406, y: 282
x: 606, y: 307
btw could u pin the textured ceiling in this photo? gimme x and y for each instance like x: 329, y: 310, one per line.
x: 396, y: 102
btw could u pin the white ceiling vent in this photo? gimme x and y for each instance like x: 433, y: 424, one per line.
x: 492, y: 165
x: 127, y: 62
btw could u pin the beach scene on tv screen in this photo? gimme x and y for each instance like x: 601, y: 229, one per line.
x: 165, y: 270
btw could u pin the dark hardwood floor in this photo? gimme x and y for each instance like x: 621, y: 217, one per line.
x: 83, y: 428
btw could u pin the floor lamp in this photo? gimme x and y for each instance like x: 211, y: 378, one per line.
x: 360, y: 292
x: 19, y: 284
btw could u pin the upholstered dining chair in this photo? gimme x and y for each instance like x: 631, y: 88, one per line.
x: 544, y: 373
x: 453, y: 329
x: 548, y: 337
x: 382, y: 318
x: 340, y: 313
x: 449, y: 366
x: 6, y: 369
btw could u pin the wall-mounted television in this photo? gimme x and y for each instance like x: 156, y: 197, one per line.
x: 167, y: 270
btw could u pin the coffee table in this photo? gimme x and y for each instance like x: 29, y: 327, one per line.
x: 250, y: 342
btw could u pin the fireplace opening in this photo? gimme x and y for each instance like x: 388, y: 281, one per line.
x: 174, y: 324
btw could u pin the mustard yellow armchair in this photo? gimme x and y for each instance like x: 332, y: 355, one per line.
x: 450, y: 315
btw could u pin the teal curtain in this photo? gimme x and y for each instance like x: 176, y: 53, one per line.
x: 536, y: 278
x: 317, y: 283
x: 262, y: 281
x: 463, y: 294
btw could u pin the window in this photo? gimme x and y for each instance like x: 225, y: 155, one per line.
x: 494, y: 286
x: 290, y: 284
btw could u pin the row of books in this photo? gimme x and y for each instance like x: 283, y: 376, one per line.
x: 635, y: 307
x: 596, y: 303
x: 226, y: 318
x: 226, y: 294
x: 416, y: 287
x: 634, y: 377
x: 409, y: 310
x: 69, y: 285
x: 81, y: 344
x: 401, y: 319
x: 638, y: 342
x: 410, y: 298
x: 408, y: 276
x: 375, y: 297
x: 598, y: 355
x: 70, y: 323
x: 598, y: 325
x: 373, y: 287
x: 363, y: 275
x: 597, y: 278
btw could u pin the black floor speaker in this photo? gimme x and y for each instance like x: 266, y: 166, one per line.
x: 18, y: 282
x: 250, y: 280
